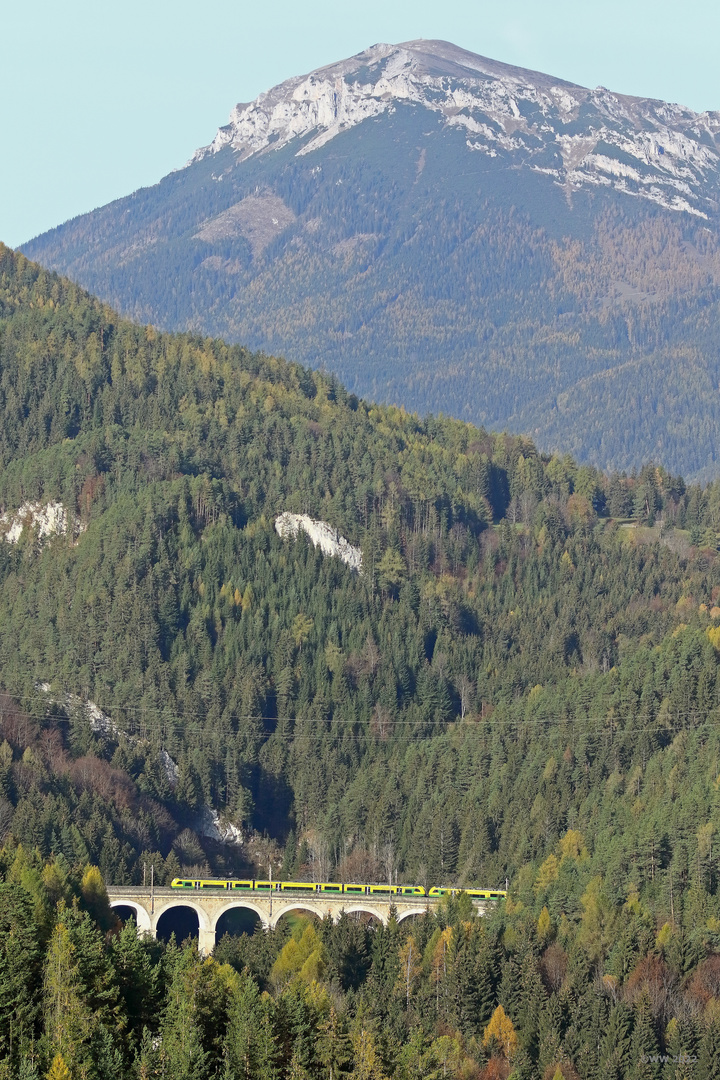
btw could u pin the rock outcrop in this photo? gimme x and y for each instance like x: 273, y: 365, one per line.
x: 46, y: 520
x: 322, y: 535
x: 651, y: 149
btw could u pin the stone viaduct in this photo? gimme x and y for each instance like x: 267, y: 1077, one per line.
x: 149, y: 905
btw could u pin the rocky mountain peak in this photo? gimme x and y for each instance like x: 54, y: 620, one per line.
x: 650, y: 149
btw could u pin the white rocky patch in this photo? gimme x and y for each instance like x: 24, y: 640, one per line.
x: 210, y: 823
x: 100, y: 722
x: 472, y: 126
x: 169, y: 768
x: 613, y: 167
x: 667, y: 144
x: 46, y: 520
x: 322, y: 535
x: 215, y: 827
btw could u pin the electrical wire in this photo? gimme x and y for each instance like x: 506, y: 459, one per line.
x: 449, y: 727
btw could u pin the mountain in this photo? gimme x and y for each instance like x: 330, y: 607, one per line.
x: 449, y: 233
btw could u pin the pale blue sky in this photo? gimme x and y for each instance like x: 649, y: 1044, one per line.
x: 98, y: 99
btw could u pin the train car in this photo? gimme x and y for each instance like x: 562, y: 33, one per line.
x: 201, y: 883
x: 349, y: 889
x: 486, y: 894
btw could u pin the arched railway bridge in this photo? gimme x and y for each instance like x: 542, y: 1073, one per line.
x: 149, y: 905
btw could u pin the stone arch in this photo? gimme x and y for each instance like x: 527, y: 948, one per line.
x: 186, y: 902
x: 248, y: 906
x: 295, y: 905
x: 142, y: 918
x: 411, y: 911
x: 364, y: 909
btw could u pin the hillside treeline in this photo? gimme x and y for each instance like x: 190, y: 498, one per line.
x: 533, y: 990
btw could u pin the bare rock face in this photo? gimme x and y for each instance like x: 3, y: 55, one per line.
x: 50, y: 519
x: 215, y: 827
x: 653, y: 150
x: 322, y: 535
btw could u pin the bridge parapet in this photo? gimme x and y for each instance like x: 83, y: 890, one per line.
x: 210, y: 904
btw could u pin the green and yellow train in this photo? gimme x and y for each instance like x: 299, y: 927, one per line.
x: 352, y: 889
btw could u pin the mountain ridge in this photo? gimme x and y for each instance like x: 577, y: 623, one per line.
x: 537, y: 259
x: 401, y: 72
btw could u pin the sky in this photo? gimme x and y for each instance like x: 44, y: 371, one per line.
x: 99, y: 99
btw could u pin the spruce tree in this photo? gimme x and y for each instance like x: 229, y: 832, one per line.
x: 709, y: 1056
x: 20, y: 969
x: 182, y: 1053
x: 69, y: 1022
x: 334, y: 1046
x: 645, y: 1049
x: 615, y: 1054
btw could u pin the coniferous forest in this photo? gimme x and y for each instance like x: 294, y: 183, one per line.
x: 521, y: 685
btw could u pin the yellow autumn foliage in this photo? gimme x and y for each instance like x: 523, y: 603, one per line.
x: 501, y: 1031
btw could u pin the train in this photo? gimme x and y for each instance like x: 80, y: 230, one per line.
x: 352, y: 889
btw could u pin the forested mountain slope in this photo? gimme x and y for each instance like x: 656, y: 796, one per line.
x: 450, y: 234
x: 476, y: 691
x: 522, y: 683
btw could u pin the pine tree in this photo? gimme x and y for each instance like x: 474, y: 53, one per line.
x: 267, y: 1055
x: 250, y: 1041
x: 28, y: 1068
x: 182, y: 1053
x: 532, y: 1000
x: 586, y: 1033
x: 136, y: 979
x: 93, y: 963
x: 682, y: 1043
x: 550, y: 1033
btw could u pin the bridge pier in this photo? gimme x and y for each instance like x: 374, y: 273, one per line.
x: 206, y: 941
